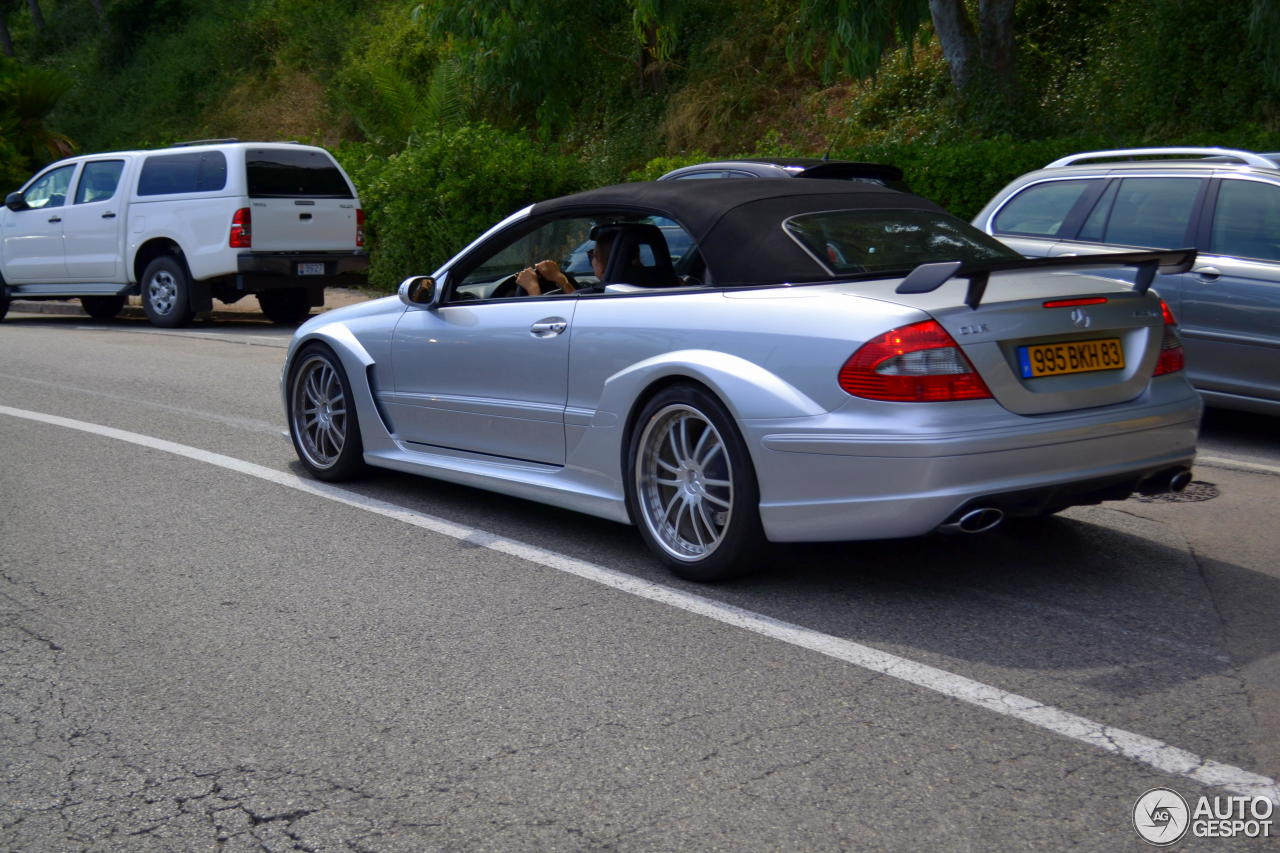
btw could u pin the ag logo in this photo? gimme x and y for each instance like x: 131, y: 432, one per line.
x: 1161, y: 816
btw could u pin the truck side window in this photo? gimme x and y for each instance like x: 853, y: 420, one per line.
x: 98, y: 180
x: 50, y: 189
x: 194, y: 172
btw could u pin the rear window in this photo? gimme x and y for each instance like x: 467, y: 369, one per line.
x: 190, y: 172
x: 1041, y: 209
x: 859, y: 241
x: 293, y: 173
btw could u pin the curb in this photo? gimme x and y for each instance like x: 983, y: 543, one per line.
x: 71, y: 307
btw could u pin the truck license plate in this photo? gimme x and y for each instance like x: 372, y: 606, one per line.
x: 1070, y: 357
x: 311, y: 269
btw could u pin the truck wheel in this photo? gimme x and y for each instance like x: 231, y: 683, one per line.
x: 166, y: 293
x: 288, y: 307
x: 102, y: 307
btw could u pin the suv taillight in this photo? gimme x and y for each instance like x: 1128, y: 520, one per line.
x: 920, y: 363
x: 1171, y: 356
x: 359, y: 226
x: 241, y: 236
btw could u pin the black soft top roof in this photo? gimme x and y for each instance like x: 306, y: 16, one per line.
x: 738, y: 224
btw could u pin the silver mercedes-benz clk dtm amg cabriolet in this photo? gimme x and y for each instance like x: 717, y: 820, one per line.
x: 752, y: 361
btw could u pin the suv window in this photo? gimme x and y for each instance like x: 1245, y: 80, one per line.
x: 1152, y: 212
x: 1040, y: 209
x: 98, y: 180
x: 50, y: 189
x: 1246, y: 221
x: 293, y: 173
x: 193, y: 172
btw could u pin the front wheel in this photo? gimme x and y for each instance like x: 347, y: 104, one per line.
x: 166, y: 293
x: 691, y: 487
x: 102, y: 307
x: 322, y: 417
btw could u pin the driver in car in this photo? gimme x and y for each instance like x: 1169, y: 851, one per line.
x: 549, y: 275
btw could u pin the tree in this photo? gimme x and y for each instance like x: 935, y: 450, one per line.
x: 27, y: 96
x: 978, y: 55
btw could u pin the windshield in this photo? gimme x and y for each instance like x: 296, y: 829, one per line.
x: 847, y: 242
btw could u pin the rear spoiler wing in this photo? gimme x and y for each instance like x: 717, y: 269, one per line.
x: 927, y: 278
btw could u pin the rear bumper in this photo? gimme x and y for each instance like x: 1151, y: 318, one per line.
x: 828, y: 484
x: 270, y: 270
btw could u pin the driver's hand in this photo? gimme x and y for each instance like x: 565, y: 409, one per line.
x: 527, y: 278
x: 550, y: 272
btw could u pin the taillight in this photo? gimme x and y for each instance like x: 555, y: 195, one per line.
x: 919, y: 363
x: 241, y: 236
x: 1171, y: 356
x: 359, y: 226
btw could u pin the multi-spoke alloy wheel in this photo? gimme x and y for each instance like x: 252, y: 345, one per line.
x: 693, y: 491
x: 321, y: 417
x: 684, y: 479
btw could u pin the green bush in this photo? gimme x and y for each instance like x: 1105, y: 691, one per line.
x: 427, y: 202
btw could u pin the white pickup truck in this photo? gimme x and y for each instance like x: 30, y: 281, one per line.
x: 184, y: 225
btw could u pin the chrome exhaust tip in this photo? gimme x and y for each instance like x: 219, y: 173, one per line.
x: 1172, y: 480
x: 975, y: 521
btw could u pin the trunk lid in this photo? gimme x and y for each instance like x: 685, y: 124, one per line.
x: 1050, y: 342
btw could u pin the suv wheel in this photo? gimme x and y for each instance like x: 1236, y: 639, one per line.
x: 166, y: 293
x: 288, y: 307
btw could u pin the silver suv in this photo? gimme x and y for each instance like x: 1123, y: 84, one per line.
x: 1225, y: 203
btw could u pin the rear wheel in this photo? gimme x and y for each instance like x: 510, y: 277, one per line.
x: 166, y: 293
x: 102, y: 307
x: 4, y: 307
x: 287, y: 307
x: 691, y: 487
x: 322, y: 417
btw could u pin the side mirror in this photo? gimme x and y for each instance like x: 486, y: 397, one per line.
x: 419, y: 291
x: 15, y: 201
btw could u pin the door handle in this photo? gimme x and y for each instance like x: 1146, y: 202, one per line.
x: 108, y: 215
x: 1207, y: 274
x: 548, y: 328
x: 55, y: 219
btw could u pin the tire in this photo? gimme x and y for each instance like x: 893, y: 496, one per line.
x: 322, y: 418
x: 4, y: 307
x: 691, y: 487
x: 166, y: 293
x: 288, y: 307
x: 103, y: 307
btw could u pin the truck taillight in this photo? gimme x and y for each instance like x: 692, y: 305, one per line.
x: 919, y: 363
x: 359, y: 226
x: 241, y: 236
x: 1171, y: 358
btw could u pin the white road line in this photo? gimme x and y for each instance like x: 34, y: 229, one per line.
x: 251, y: 424
x: 1236, y: 464
x: 1144, y: 750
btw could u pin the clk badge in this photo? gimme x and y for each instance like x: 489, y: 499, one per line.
x: 1081, y: 318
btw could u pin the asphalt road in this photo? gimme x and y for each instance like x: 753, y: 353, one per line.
x: 197, y: 653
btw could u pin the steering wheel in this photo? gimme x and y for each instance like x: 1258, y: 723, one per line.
x: 507, y: 288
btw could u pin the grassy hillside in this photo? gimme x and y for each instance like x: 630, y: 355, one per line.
x: 449, y: 114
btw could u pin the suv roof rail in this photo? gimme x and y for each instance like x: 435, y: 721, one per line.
x: 1246, y: 157
x: 202, y: 142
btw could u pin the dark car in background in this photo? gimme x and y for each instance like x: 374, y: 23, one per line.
x: 1223, y: 202
x: 793, y: 167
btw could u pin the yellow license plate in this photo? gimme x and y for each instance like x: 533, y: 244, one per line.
x: 1070, y: 357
